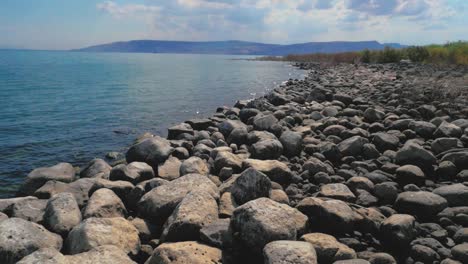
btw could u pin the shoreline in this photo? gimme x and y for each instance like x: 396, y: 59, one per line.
x: 345, y: 158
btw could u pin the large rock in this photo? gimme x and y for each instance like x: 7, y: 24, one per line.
x: 121, y: 188
x: 328, y: 248
x: 225, y: 159
x: 227, y: 126
x: 176, y: 130
x: 331, y: 215
x: 20, y: 238
x: 261, y: 221
x: 9, y: 202
x: 30, y: 210
x: 63, y: 172
x: 460, y: 159
x: 264, y: 122
x: 414, y: 154
x: 194, y: 165
x: 158, y: 204
x: 103, y: 255
x: 276, y: 170
x: 352, y: 146
x: 292, y: 143
x: 423, y: 128
x: 408, y: 174
x: 460, y: 252
x: 267, y: 149
x: 250, y: 185
x: 424, y: 205
x: 134, y: 172
x: 337, y: 191
x: 185, y: 252
x: 314, y: 165
x: 217, y: 233
x: 289, y: 252
x: 153, y: 150
x: 197, y: 209
x: 455, y: 194
x: 448, y: 130
x: 398, y: 231
x: 385, y: 141
x: 170, y: 169
x: 104, y: 203
x: 95, y: 232
x: 200, y: 123
x: 62, y: 213
x: 95, y: 168
x: 443, y: 144
x: 372, y: 115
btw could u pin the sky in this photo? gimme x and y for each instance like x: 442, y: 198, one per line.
x: 67, y: 24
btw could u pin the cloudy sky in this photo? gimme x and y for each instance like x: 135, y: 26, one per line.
x: 65, y: 24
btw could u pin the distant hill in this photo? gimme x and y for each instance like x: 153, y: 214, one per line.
x: 235, y: 47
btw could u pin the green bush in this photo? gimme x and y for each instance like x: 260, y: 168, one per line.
x: 389, y: 55
x: 417, y: 54
x: 366, y: 56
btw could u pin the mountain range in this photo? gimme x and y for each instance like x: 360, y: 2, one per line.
x: 236, y: 47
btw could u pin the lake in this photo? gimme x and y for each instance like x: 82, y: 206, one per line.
x: 73, y: 107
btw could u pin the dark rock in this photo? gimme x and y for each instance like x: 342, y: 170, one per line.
x: 455, y: 194
x: 267, y: 149
x: 408, y: 174
x: 217, y: 233
x: 398, y: 231
x: 153, y: 151
x: 250, y: 185
x: 134, y: 172
x: 292, y: 143
x: 424, y: 205
x: 352, y: 146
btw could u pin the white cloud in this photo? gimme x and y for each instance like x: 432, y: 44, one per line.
x: 117, y: 10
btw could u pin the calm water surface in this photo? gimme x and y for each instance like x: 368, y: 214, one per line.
x: 72, y: 107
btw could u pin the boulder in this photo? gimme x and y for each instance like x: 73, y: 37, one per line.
x: 226, y: 159
x: 440, y: 145
x: 30, y: 210
x: 197, y: 209
x: 276, y: 170
x: 292, y: 143
x: 447, y: 129
x: 134, y: 172
x: 103, y: 254
x: 182, y: 128
x: 410, y: 174
x: 382, y: 258
x: 414, y: 154
x: 194, y: 165
x: 227, y: 126
x: 153, y: 151
x: 328, y: 248
x: 261, y: 221
x: 250, y: 185
x: 51, y: 188
x: 264, y: 122
x: 200, y: 123
x: 460, y: 252
x: 423, y: 128
x: 372, y: 115
x: 352, y: 146
x: 337, y: 191
x: 121, y: 188
x: 217, y: 233
x: 398, y: 231
x: 283, y: 252
x: 424, y: 205
x: 185, y: 252
x: 62, y: 213
x: 459, y: 158
x: 267, y: 149
x: 385, y: 141
x: 455, y: 194
x: 9, y: 202
x: 158, y: 204
x: 104, y: 203
x: 314, y: 165
x: 20, y: 238
x: 170, y: 169
x: 63, y: 172
x: 95, y: 168
x: 95, y: 232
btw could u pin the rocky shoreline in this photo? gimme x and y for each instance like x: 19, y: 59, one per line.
x: 354, y: 164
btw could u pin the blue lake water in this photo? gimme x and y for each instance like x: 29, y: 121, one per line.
x: 72, y: 107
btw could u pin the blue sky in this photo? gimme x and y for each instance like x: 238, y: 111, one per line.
x: 65, y: 24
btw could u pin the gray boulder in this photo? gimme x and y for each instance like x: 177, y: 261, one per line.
x: 185, y: 252
x: 328, y: 249
x: 398, y: 231
x: 455, y: 194
x: 424, y: 205
x: 153, y: 150
x: 62, y: 213
x: 410, y: 174
x: 267, y: 149
x: 63, y: 172
x: 352, y: 146
x: 414, y: 154
x: 95, y: 168
x: 104, y: 203
x: 447, y: 129
x: 30, y: 210
x: 385, y: 141
x: 250, y: 185
x: 292, y: 143
x: 194, y: 165
x: 134, y: 172
x: 20, y: 238
x: 337, y: 191
x: 276, y: 170
x: 225, y: 159
x: 170, y: 169
x: 283, y: 252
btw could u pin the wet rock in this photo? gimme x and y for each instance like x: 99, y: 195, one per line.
x: 337, y: 191
x: 398, y: 231
x: 170, y: 169
x: 158, y: 204
x: 104, y: 203
x: 197, y: 209
x: 95, y: 232
x: 276, y: 170
x: 62, y: 213
x: 250, y: 185
x: 424, y: 205
x: 282, y: 251
x: 194, y: 165
x: 95, y: 168
x: 20, y: 238
x: 328, y: 248
x: 63, y: 172
x: 134, y: 172
x: 185, y: 252
x: 261, y: 221
x: 153, y: 151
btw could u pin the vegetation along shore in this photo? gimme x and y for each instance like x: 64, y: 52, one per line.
x: 357, y: 163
